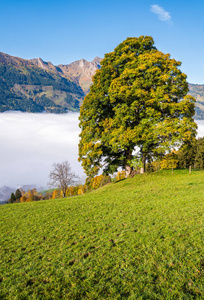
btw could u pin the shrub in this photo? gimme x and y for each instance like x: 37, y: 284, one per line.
x: 56, y: 194
x: 170, y: 161
x: 120, y: 175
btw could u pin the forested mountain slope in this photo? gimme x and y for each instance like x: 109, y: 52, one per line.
x: 26, y: 87
x: 197, y: 91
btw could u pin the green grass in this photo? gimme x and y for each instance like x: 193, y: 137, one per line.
x: 141, y: 238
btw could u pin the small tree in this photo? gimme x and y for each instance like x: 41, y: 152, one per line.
x: 56, y: 194
x: 170, y: 161
x: 13, y: 198
x: 18, y: 195
x: 192, y: 154
x: 61, y: 176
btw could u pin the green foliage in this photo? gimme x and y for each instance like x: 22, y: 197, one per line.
x: 192, y: 154
x: 12, y: 199
x: 136, y: 162
x: 169, y: 161
x: 153, y: 166
x: 18, y: 195
x: 141, y: 238
x: 138, y: 98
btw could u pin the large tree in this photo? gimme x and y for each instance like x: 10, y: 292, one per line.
x: 138, y: 99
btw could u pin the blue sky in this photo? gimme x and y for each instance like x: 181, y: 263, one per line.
x: 63, y: 31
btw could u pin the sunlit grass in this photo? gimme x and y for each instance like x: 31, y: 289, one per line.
x: 141, y: 238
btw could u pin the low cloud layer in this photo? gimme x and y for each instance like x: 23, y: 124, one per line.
x: 160, y: 12
x: 200, y: 124
x: 31, y: 143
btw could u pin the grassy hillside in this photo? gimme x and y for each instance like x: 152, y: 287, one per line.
x: 141, y: 238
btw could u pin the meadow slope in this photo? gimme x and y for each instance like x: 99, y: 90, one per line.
x: 140, y: 238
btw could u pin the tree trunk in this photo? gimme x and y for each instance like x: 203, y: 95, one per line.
x: 128, y: 168
x: 144, y: 161
x: 142, y: 170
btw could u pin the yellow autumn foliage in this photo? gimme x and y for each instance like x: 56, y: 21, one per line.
x: 120, y: 175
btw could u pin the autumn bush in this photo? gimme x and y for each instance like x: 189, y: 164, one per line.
x: 30, y: 196
x: 120, y: 175
x: 96, y: 182
x: 169, y: 161
x: 72, y: 191
x: 56, y: 194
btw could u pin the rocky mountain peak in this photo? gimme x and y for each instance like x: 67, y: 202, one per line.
x: 48, y: 66
x: 81, y: 71
x: 97, y: 60
x: 82, y: 63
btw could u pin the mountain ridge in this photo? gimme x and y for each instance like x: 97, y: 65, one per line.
x: 35, y: 85
x: 27, y: 87
x: 80, y: 71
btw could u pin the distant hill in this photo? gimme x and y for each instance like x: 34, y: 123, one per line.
x: 36, y: 86
x: 197, y: 91
x: 5, y: 193
x: 26, y: 87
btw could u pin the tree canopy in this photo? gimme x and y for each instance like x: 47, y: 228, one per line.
x: 138, y: 99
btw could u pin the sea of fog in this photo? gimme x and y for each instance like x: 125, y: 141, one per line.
x: 31, y: 143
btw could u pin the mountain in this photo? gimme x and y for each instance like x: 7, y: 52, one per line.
x: 197, y: 91
x: 5, y: 193
x: 28, y: 85
x: 37, y: 86
x: 81, y: 71
x: 27, y: 187
x: 48, y: 66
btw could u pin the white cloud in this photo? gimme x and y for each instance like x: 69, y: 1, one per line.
x: 200, y: 124
x: 31, y: 143
x: 160, y: 12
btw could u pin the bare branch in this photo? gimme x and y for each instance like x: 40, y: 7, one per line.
x: 61, y: 176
